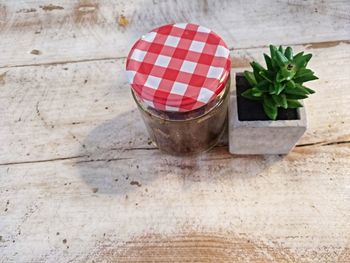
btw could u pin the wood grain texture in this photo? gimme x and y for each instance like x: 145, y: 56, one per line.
x: 81, y: 182
x: 59, y: 114
x: 88, y: 30
x: 294, y: 207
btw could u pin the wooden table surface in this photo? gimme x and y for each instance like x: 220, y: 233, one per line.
x: 80, y: 182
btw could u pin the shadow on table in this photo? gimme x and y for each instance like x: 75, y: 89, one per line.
x: 122, y: 159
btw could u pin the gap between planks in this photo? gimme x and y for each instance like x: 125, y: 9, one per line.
x: 320, y: 144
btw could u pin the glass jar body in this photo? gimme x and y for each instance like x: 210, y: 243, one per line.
x: 186, y: 133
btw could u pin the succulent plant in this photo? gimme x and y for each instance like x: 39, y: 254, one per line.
x: 281, y: 84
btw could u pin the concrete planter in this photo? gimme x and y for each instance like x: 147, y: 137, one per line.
x: 262, y: 136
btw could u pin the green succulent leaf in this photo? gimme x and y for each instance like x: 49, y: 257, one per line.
x: 268, y: 62
x: 280, y: 49
x: 290, y: 84
x: 305, y: 78
x: 295, y: 97
x: 277, y: 88
x: 307, y: 58
x: 270, y: 109
x: 298, y: 55
x: 256, y: 69
x: 249, y: 95
x: 273, y: 51
x: 294, y: 104
x: 305, y: 89
x: 266, y: 75
x: 256, y: 92
x: 297, y: 90
x: 303, y: 72
x: 302, y: 61
x: 311, y: 91
x: 281, y: 59
x: 269, y: 101
x: 249, y: 76
x: 289, y: 53
x: 280, y: 77
x: 263, y: 86
x: 281, y: 101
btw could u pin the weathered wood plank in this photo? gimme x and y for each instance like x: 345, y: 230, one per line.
x: 49, y: 111
x: 143, y: 206
x: 35, y: 32
x: 79, y: 181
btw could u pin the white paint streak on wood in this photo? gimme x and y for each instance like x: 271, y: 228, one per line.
x: 71, y: 143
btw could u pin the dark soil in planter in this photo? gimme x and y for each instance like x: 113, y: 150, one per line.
x: 249, y: 110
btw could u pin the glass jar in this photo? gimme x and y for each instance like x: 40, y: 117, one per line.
x: 181, y: 86
x: 189, y: 132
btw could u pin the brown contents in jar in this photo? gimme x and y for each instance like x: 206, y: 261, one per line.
x: 184, y: 133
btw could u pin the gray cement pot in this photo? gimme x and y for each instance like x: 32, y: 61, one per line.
x: 263, y: 136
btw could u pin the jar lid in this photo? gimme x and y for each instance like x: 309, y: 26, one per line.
x: 178, y: 67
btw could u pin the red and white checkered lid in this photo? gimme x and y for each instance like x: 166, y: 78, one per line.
x: 178, y: 67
